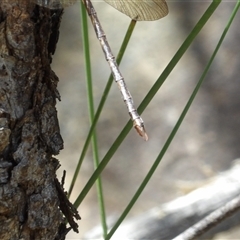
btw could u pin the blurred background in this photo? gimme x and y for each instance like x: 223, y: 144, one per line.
x: 208, y: 140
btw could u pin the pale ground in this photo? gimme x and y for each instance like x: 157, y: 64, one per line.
x: 208, y: 140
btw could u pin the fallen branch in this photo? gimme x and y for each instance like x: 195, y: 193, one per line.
x: 171, y: 219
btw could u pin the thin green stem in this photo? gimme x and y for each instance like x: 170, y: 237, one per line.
x: 148, y: 98
x: 175, y: 129
x: 101, y: 104
x: 91, y: 115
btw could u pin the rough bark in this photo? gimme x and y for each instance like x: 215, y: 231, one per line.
x: 32, y: 201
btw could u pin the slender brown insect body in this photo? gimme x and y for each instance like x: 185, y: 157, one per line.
x: 140, y: 10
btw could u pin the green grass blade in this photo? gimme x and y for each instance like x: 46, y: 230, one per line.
x: 147, y: 99
x: 91, y: 114
x: 101, y: 104
x: 175, y: 129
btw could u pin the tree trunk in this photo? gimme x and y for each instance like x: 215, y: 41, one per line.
x: 32, y: 201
